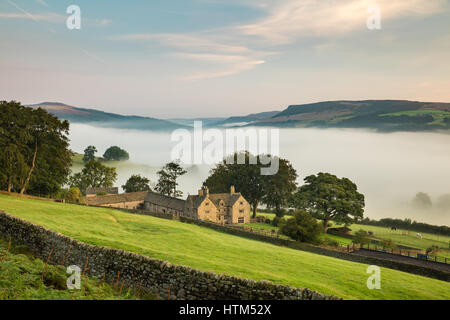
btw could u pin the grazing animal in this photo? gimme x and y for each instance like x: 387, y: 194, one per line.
x: 419, y: 235
x: 394, y: 228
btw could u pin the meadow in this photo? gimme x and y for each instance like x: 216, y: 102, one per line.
x: 208, y: 250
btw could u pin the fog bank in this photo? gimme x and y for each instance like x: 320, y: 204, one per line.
x: 389, y: 168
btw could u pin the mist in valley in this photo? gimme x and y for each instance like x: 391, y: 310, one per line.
x: 390, y: 169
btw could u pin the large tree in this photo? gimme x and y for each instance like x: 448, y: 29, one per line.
x: 89, y: 154
x: 136, y: 183
x: 116, y: 154
x: 35, y: 145
x: 272, y: 190
x: 330, y: 198
x: 167, y: 182
x: 94, y: 174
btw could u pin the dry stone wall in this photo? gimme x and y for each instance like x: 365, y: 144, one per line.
x: 157, y: 276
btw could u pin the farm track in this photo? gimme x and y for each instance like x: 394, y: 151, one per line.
x: 404, y: 259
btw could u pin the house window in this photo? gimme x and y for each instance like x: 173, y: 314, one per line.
x: 241, y: 203
x: 207, y: 204
x: 241, y: 220
x: 241, y: 211
x: 207, y: 212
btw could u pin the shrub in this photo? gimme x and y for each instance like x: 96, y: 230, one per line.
x: 302, y: 227
x: 332, y: 243
x: 101, y: 193
x: 267, y: 221
x: 388, y: 244
x: 276, y: 221
x: 361, y: 237
x: 74, y: 195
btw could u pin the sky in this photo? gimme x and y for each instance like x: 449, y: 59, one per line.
x: 215, y: 58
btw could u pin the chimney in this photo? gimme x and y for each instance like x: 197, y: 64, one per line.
x: 200, y: 192
x: 232, y: 190
x: 206, y: 191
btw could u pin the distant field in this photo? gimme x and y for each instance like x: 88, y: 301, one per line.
x: 207, y: 249
x: 401, y: 237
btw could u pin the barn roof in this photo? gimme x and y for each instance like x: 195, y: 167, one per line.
x: 165, y: 201
x: 116, y: 198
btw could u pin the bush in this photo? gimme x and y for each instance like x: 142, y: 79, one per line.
x: 101, y: 193
x: 276, y: 221
x: 332, y: 243
x: 302, y: 227
x: 361, y: 237
x: 74, y: 195
x: 388, y: 244
x: 267, y: 221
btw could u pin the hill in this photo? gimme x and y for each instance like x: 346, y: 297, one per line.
x: 209, y: 250
x: 254, y: 117
x: 105, y: 119
x: 384, y: 115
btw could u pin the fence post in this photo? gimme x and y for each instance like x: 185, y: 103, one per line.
x: 348, y: 248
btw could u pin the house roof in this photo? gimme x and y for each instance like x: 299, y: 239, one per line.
x: 229, y: 199
x: 116, y: 198
x: 165, y: 201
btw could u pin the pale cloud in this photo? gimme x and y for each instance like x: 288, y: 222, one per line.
x: 42, y: 2
x: 233, y: 49
x: 291, y: 19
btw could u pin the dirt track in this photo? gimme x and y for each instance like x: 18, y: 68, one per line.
x: 404, y: 259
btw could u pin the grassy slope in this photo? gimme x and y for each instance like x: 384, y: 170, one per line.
x: 20, y: 279
x: 206, y: 249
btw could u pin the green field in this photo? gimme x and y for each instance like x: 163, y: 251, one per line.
x: 400, y: 237
x: 22, y: 277
x: 209, y: 250
x: 408, y: 238
x: 439, y: 116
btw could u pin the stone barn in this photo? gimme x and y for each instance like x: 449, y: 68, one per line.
x: 158, y: 203
x: 223, y: 208
x: 133, y: 200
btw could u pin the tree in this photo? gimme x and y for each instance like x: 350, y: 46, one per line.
x: 329, y: 198
x: 116, y: 154
x: 301, y: 227
x: 279, y: 187
x: 137, y: 183
x: 94, y: 174
x: 35, y: 145
x: 74, y: 195
x: 89, y: 154
x: 422, y: 201
x: 167, y: 182
x: 273, y: 190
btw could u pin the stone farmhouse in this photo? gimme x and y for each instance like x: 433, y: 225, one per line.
x: 134, y: 200
x: 223, y: 208
x: 159, y: 203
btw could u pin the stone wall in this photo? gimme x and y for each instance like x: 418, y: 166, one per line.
x: 157, y: 276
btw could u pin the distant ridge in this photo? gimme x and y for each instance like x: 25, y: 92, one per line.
x: 106, y: 119
x: 383, y: 115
